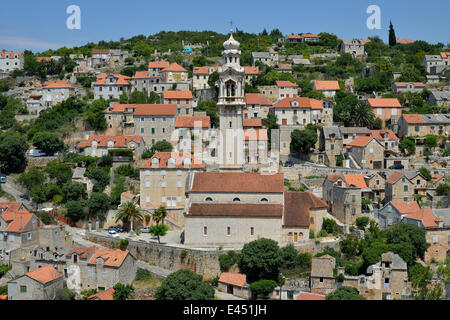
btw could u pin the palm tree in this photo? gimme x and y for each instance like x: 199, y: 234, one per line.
x: 160, y: 214
x: 363, y: 115
x: 129, y: 212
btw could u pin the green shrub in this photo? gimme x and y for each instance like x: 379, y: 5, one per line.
x: 4, y: 268
x: 228, y: 259
x: 183, y: 255
x: 263, y: 287
x: 304, y: 260
x: 142, y: 274
x: 123, y: 244
x: 362, y: 222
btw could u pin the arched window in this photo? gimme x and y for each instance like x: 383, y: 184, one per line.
x: 290, y: 236
x: 231, y: 88
x: 171, y: 161
x: 208, y: 199
x: 236, y: 200
x: 264, y: 200
x: 186, y: 161
x: 155, y: 161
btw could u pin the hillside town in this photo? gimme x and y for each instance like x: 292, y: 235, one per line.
x: 255, y: 166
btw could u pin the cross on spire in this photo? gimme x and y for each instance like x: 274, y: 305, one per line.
x: 231, y: 25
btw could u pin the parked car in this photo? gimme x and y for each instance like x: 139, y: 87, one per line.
x: 25, y: 196
x: 113, y: 234
x: 115, y: 228
x: 145, y: 230
x: 2, y: 179
x: 36, y: 153
x: 288, y: 164
x: 397, y: 166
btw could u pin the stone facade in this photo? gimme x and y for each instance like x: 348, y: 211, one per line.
x: 10, y: 61
x: 26, y: 288
x: 439, y: 240
x: 369, y: 156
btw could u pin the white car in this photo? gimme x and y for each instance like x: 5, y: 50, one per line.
x: 36, y: 153
x: 113, y: 234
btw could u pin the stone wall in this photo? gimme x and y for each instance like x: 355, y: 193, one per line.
x: 39, y: 161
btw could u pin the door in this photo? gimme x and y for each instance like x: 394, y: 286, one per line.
x: 295, y: 237
x: 230, y: 289
x: 377, y: 164
x: 284, y: 121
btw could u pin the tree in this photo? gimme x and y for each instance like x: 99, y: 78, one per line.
x: 431, y: 141
x: 73, y: 191
x: 98, y: 203
x: 423, y: 286
x: 362, y: 222
x: 405, y: 233
x: 392, y: 37
x: 122, y: 291
x: 408, y: 144
x: 184, y: 285
x: 363, y: 115
x: 159, y: 214
x: 289, y: 256
x: 349, y: 246
x: 261, y: 259
x: 129, y: 212
x: 263, y: 287
x: 303, y: 140
x: 32, y: 178
x: 228, y: 259
x: 159, y: 230
x: 426, y: 173
x: 64, y: 294
x: 101, y: 175
x: 12, y: 154
x: 61, y: 172
x: 329, y: 225
x: 75, y: 210
x: 345, y: 293
x: 212, y: 79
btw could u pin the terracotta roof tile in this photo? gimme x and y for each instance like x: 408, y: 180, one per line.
x: 426, y: 216
x: 100, y: 51
x: 204, y: 70
x: 155, y: 110
x: 309, y: 35
x: 238, y: 182
x: 379, y: 134
x: 404, y: 84
x: 11, y: 54
x: 302, y: 102
x: 361, y: 141
x: 297, y: 206
x: 326, y: 85
x: 404, y: 207
x: 121, y: 80
x: 384, y: 103
x: 45, y: 274
x: 191, y: 121
x: 104, y: 295
x: 310, y: 296
x: 235, y: 210
x: 84, y: 253
x: 351, y: 180
x: 405, y: 41
x: 252, y: 123
x: 257, y: 98
x: 294, y: 36
x: 235, y: 279
x: 59, y: 84
x: 102, y: 141
x: 286, y: 84
x: 394, y: 177
x: 413, y: 118
x: 158, y: 64
x: 179, y: 158
x: 255, y: 135
x: 174, y: 67
x: 284, y: 67
x: 249, y: 70
x: 185, y: 95
x: 112, y: 258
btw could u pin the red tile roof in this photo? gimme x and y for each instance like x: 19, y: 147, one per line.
x: 294, y: 36
x: 46, y: 59
x: 238, y: 182
x: 394, y: 177
x: 404, y: 207
x: 286, y: 84
x: 158, y: 64
x: 351, y: 180
x: 297, y: 206
x: 426, y: 216
x: 142, y: 75
x: 309, y: 35
x: 174, y: 67
x: 11, y: 54
x: 119, y: 141
x: 121, y: 80
x: 235, y: 279
x: 204, y: 70
x: 384, y: 103
x: 192, y: 121
x: 361, y: 141
x: 252, y: 123
x: 186, y: 95
x: 302, y: 102
x: 179, y: 158
x: 379, y: 134
x: 235, y: 210
x: 445, y: 55
x: 249, y: 70
x: 326, y: 85
x: 112, y: 258
x: 100, y: 51
x: 16, y: 218
x: 413, y: 118
x: 284, y: 67
x: 255, y: 135
x: 104, y: 295
x: 310, y: 296
x: 59, y: 84
x: 45, y: 274
x: 84, y: 253
x: 257, y: 98
x: 404, y: 84
x: 155, y: 110
x: 405, y: 41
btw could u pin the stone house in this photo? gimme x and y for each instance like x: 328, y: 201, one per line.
x: 308, y: 37
x: 393, y: 211
x: 438, y: 237
x: 255, y: 145
x: 257, y: 105
x: 268, y: 58
x: 54, y: 92
x: 174, y: 74
x: 94, y: 268
x: 322, y: 280
x: 250, y: 72
x: 439, y: 98
x: 10, y: 61
x: 351, y: 133
x: 98, y: 146
x: 298, y: 111
x: 182, y: 99
x: 286, y: 89
x: 235, y: 284
x: 327, y: 88
x: 78, y: 176
x: 100, y: 58
x: 368, y: 152
x: 39, y: 284
x: 423, y: 218
x: 144, y: 82
x: 284, y: 68
x: 163, y: 182
x: 387, y: 138
x: 376, y: 182
x: 386, y: 280
x: 436, y: 64
x: 189, y: 133
x: 294, y: 38
x: 107, y: 295
x: 331, y: 143
x: 111, y: 86
x: 423, y: 124
x: 271, y: 92
x: 401, y: 87
x: 386, y: 109
x: 399, y: 188
x: 355, y: 47
x: 155, y: 67
x: 200, y: 77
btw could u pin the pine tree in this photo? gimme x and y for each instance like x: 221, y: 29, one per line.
x: 392, y: 37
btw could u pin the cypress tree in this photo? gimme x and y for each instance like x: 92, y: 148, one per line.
x: 392, y: 37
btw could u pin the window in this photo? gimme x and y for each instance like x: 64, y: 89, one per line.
x: 353, y: 198
x: 90, y: 274
x: 163, y: 172
x: 405, y: 188
x: 353, y: 211
x: 147, y: 199
x: 164, y: 184
x: 389, y: 222
x: 23, y: 288
x: 252, y: 231
x: 435, y: 239
x: 205, y: 231
x: 105, y: 275
x: 179, y: 184
x: 405, y: 199
x: 147, y: 184
x: 236, y: 200
x: 147, y: 172
x: 321, y: 279
x: 208, y: 199
x: 264, y: 200
x: 153, y: 130
x: 29, y: 236
x: 142, y: 130
x: 228, y: 231
x: 416, y: 128
x: 178, y: 172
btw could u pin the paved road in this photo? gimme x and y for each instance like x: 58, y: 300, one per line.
x: 9, y: 188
